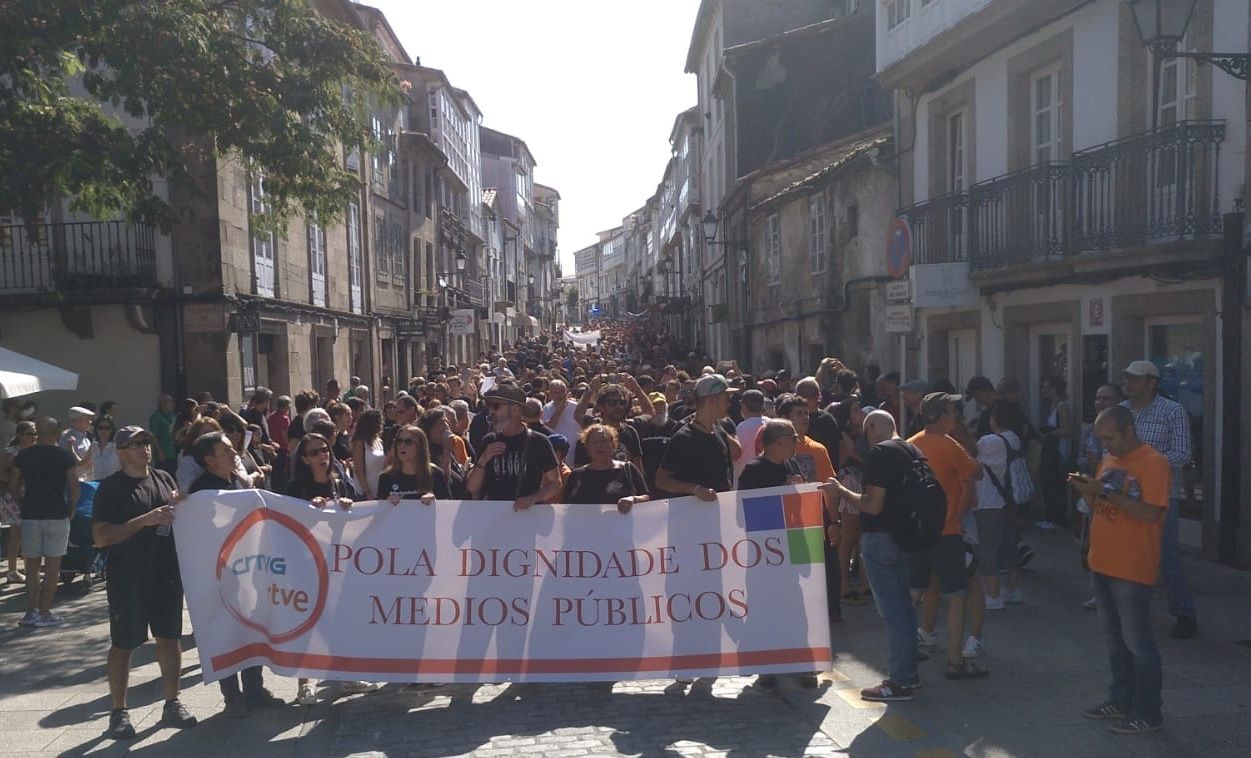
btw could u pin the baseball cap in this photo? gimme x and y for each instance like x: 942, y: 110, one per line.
x: 658, y: 397
x: 1142, y: 368
x: 129, y: 435
x: 559, y: 442
x: 80, y: 412
x: 916, y: 385
x: 978, y: 384
x: 508, y: 393
x: 712, y: 384
x: 935, y: 405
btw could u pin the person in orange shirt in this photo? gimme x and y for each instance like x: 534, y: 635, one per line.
x: 941, y: 567
x: 1130, y: 495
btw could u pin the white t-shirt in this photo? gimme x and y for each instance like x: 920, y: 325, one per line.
x: 79, y: 443
x: 992, y: 453
x: 746, y: 434
x: 105, y: 460
x: 375, y: 462
x: 568, y: 425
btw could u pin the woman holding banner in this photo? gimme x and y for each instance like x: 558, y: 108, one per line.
x: 434, y: 425
x: 604, y: 479
x: 411, y: 475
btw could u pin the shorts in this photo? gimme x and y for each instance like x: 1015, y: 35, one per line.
x: 135, y: 606
x: 944, y: 559
x: 992, y: 552
x: 45, y: 538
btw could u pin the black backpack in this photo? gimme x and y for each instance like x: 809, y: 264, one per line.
x: 922, y: 505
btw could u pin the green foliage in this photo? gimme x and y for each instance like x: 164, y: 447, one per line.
x: 263, y: 81
x: 571, y: 298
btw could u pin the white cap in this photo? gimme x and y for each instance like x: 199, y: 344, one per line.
x: 1142, y: 368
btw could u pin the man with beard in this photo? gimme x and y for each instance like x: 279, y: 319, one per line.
x: 654, y: 432
x: 611, y: 407
x: 559, y: 412
x: 516, y: 463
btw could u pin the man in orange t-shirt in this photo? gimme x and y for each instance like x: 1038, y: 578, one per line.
x: 1130, y: 496
x: 941, y: 567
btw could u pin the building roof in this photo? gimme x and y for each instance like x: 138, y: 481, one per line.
x: 778, y: 40
x: 380, y: 20
x: 810, y: 171
x: 697, y: 35
x: 516, y: 140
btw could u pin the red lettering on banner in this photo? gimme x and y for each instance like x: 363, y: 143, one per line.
x: 370, y: 560
x: 448, y: 611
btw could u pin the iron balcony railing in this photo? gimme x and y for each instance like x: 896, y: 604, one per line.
x: 473, y: 291
x: 939, y: 229
x: 75, y: 257
x: 1021, y: 216
x: 1158, y: 186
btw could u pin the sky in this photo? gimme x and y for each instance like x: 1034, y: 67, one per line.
x: 593, y: 87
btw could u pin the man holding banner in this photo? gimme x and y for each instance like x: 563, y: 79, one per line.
x: 516, y: 463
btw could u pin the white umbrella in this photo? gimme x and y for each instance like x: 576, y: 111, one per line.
x: 23, y: 375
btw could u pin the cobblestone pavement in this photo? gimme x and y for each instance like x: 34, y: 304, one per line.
x: 1046, y: 657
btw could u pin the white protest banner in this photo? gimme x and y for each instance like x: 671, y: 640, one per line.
x: 583, y: 339
x: 475, y: 592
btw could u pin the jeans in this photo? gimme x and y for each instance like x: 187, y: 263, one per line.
x: 1180, y: 601
x: 252, y: 682
x: 1125, y: 615
x: 888, y: 568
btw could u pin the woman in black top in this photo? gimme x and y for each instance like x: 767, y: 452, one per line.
x: 604, y: 480
x: 341, y: 415
x: 436, y: 428
x: 411, y: 475
x: 313, y: 477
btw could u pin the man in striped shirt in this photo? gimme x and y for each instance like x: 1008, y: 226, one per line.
x: 1164, y: 425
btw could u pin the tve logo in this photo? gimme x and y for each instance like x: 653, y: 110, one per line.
x: 272, y: 576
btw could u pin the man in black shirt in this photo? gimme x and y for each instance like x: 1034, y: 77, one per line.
x: 532, y: 414
x: 821, y: 425
x: 611, y: 404
x: 776, y: 466
x: 516, y: 463
x: 132, y: 519
x: 654, y: 433
x: 46, y: 479
x: 216, y: 456
x: 981, y: 391
x: 700, y: 458
x: 888, y: 566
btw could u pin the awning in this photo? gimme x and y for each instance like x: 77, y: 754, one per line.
x: 23, y: 375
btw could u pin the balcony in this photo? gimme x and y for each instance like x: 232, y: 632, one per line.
x: 76, y: 258
x: 473, y: 291
x: 939, y: 229
x: 1146, y: 190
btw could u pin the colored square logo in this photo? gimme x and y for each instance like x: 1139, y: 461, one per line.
x: 806, y: 545
x: 763, y: 514
x: 802, y: 510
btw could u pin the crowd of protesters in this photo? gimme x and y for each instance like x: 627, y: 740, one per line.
x: 632, y: 419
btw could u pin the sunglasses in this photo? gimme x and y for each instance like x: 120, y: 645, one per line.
x: 133, y: 445
x: 406, y: 440
x: 318, y: 451
x: 615, y: 401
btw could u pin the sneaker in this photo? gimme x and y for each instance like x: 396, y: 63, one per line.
x: 1185, y: 628
x: 175, y: 714
x: 1106, y: 711
x: 886, y: 692
x: 235, y: 707
x: 16, y: 577
x: 685, y: 680
x: 1090, y: 605
x: 48, y: 619
x: 354, y: 687
x: 926, y: 639
x: 1137, y: 726
x: 973, y: 648
x: 767, y: 681
x: 1024, y: 553
x: 306, y: 695
x: 29, y: 619
x: 914, y: 683
x: 263, y: 698
x: 120, y: 727
x: 994, y: 603
x: 1012, y: 596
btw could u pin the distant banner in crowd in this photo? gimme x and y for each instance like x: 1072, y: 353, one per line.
x: 583, y: 339
x: 640, y: 316
x: 476, y: 592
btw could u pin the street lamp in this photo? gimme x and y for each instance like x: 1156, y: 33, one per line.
x: 710, y: 223
x: 1161, y: 26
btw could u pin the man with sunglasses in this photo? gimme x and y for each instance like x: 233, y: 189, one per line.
x: 516, y: 463
x: 612, y: 405
x: 132, y: 519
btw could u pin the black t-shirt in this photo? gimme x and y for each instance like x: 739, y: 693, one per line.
x: 885, y: 466
x: 211, y: 481
x: 479, y: 427
x: 701, y: 458
x: 628, y: 447
x: 541, y: 428
x: 342, y: 447
x: 295, y: 432
x: 145, y: 555
x: 44, y: 470
x: 763, y: 472
x: 589, y: 486
x: 406, y: 485
x: 654, y: 440
x: 334, y: 488
x: 502, y: 471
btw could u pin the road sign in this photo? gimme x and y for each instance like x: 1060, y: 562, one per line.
x: 898, y: 248
x: 898, y: 319
x: 898, y: 291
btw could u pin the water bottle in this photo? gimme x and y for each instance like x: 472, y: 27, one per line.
x: 164, y: 530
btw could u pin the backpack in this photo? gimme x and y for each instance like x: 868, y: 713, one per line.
x: 922, y: 505
x: 1017, y: 488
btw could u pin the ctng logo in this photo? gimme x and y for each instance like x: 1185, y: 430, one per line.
x: 272, y: 576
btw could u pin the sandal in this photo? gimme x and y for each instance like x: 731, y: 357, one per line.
x: 967, y: 670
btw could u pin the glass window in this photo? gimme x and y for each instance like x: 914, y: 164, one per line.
x: 1046, y: 116
x: 817, y: 232
x: 773, y: 248
x: 1177, y: 348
